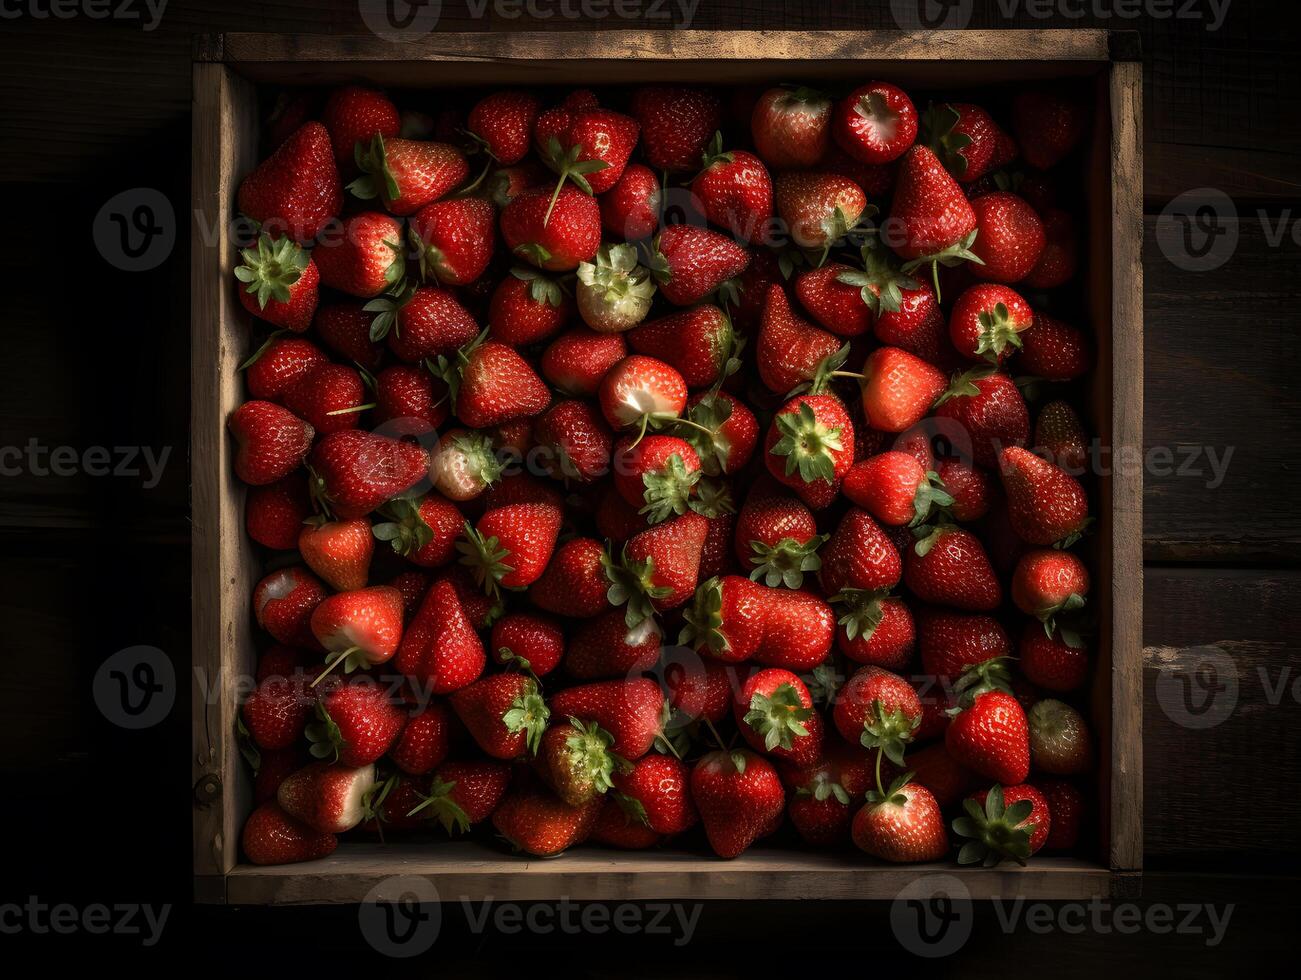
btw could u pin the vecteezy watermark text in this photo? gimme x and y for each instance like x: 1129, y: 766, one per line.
x: 148, y: 12
x: 38, y: 459
x: 64, y: 919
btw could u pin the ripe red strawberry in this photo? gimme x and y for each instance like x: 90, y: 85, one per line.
x: 279, y: 364
x: 817, y: 209
x: 465, y: 793
x: 281, y: 283
x: 810, y: 447
x: 530, y: 641
x: 875, y: 123
x: 1048, y: 582
x: 454, y: 239
x: 510, y: 546
x: 677, y: 122
x: 753, y: 284
x: 538, y: 823
x: 283, y: 603
x: 1054, y: 350
x: 640, y: 390
x: 358, y: 724
x: 931, y: 220
x: 740, y: 799
x: 1059, y: 437
x: 724, y: 431
x: 949, y: 567
x: 899, y: 389
x: 1009, y: 237
x: 272, y: 769
x: 571, y: 234
x: 1048, y: 125
x: 658, y: 475
x: 935, y: 769
x: 345, y: 329
x: 965, y: 138
x: 576, y: 762
x: 271, y: 442
x: 1004, y: 822
x: 630, y: 210
x: 274, y: 513
x: 356, y: 115
x: 275, y: 712
x: 358, y: 629
x: 613, y: 292
x: 440, y: 650
x: 836, y: 304
x: 656, y: 795
x: 1045, y: 504
x: 329, y: 798
x: 907, y: 314
x: 330, y: 397
x: 508, y: 183
x: 791, y: 127
x: 271, y: 836
x: 577, y: 441
x: 735, y: 192
x: 425, y: 740
x: 338, y: 551
x: 777, y: 538
x: 689, y: 263
x: 875, y: 629
x: 895, y: 489
x: 504, y: 713
x: 527, y: 307
x: 774, y: 714
x: 405, y: 401
x: 1059, y: 260
x: 1066, y: 813
x: 296, y: 191
x: 902, y: 824
x: 504, y: 121
x: 577, y: 360
x: 971, y: 489
x: 405, y: 175
x: 574, y: 583
x: 951, y: 642
x: 607, y: 647
x: 628, y: 709
x: 491, y: 384
x: 987, y: 321
x: 698, y: 342
x: 791, y: 351
x: 421, y: 322
x: 357, y: 471
x: 659, y: 567
x: 825, y: 794
x: 365, y: 257
x: 1060, y: 742
x: 879, y: 709
x: 859, y: 556
x: 587, y: 146
x: 698, y: 688
x: 989, y: 409
x: 1058, y: 663
x: 991, y: 737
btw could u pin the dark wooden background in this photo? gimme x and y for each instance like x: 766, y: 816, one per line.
x: 94, y: 356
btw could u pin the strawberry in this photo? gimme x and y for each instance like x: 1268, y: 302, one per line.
x: 906, y: 313
x: 859, y: 556
x: 630, y: 210
x: 796, y: 629
x: 951, y: 642
x: 577, y: 360
x: 1045, y: 504
x: 271, y: 836
x: 791, y: 351
x: 330, y: 398
x: 965, y: 138
x: 614, y: 292
x: 931, y: 220
x: 366, y: 256
x: 275, y: 712
x: 949, y: 567
x: 327, y: 797
x: 810, y: 447
x: 454, y: 239
x: 356, y: 115
x: 491, y: 384
x: 1009, y: 237
x: 640, y: 390
x: 345, y: 329
x: 901, y: 824
x: 899, y: 389
x: 607, y: 647
x: 987, y: 321
x: 527, y: 307
x: 697, y: 341
x: 821, y: 806
x: 971, y: 490
x: 1059, y: 261
x: 558, y: 243
x: 464, y: 464
x: 413, y: 585
x: 534, y: 643
x: 508, y: 183
x: 357, y: 724
x: 503, y: 122
x: 723, y: 431
x: 1005, y: 822
x: 405, y: 175
x: 735, y: 192
x: 283, y: 603
x: 357, y: 471
x: 360, y: 628
x: 875, y: 629
x: 425, y: 740
x: 588, y: 146
x: 440, y: 650
x: 281, y: 283
x: 895, y: 489
x: 989, y: 409
x: 465, y: 793
x: 510, y: 546
x: 279, y: 364
x: 1060, y: 742
x: 1060, y: 438
x: 1054, y: 350
x: 689, y: 263
x: 791, y: 127
x: 296, y: 191
x: 817, y: 209
x: 1058, y: 663
x: 629, y: 710
x: 990, y: 736
x: 1048, y: 582
x: 576, y: 762
x: 658, y: 475
x: 271, y: 442
x: 574, y: 583
x: 578, y: 441
x: 272, y: 770
x: 338, y: 551
x: 935, y: 769
x: 832, y: 295
x: 875, y: 123
x: 274, y: 513
x: 698, y: 688
x: 1065, y: 814
x: 777, y: 538
x: 536, y: 822
x: 504, y: 713
x: 739, y: 796
x: 405, y: 402
x: 764, y: 271
x: 879, y: 709
x: 654, y: 794
x: 421, y: 322
x: 774, y: 714
x: 1048, y: 125
x: 659, y: 567
x: 677, y: 122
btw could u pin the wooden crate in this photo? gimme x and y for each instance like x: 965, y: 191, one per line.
x: 228, y: 70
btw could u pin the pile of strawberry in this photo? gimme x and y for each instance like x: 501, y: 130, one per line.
x: 622, y: 476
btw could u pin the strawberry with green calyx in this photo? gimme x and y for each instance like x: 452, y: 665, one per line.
x: 996, y: 830
x: 964, y: 137
x: 407, y: 531
x: 454, y: 239
x: 875, y: 628
x: 878, y: 709
x: 895, y: 489
x: 464, y: 464
x: 591, y: 151
x: 659, y: 567
x: 511, y: 545
x: 658, y: 475
x: 689, y: 263
x: 819, y: 209
x: 805, y: 445
x: 439, y: 805
x: 774, y: 712
x: 987, y: 321
x: 640, y: 391
x: 357, y: 724
x: 989, y: 733
x: 527, y: 307
x: 978, y: 679
x: 785, y: 562
x: 735, y: 191
x: 934, y: 222
x: 365, y: 257
x: 880, y: 282
x: 740, y: 798
x: 987, y: 404
x: 614, y: 292
x: 1046, y: 505
x: 558, y: 239
x: 889, y: 732
x: 725, y: 619
x: 358, y: 629
x: 723, y: 431
x: 577, y: 760
x: 1048, y: 582
x: 669, y: 490
x: 281, y: 283
x: 902, y: 824
x: 406, y: 174
x: 504, y: 713
x: 490, y: 383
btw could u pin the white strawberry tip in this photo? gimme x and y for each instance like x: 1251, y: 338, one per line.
x: 276, y: 586
x: 353, y: 805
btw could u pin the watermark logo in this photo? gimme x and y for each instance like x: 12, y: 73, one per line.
x: 1198, y: 230
x: 135, y: 231
x: 931, y: 15
x: 399, y: 21
x: 135, y: 688
x: 401, y: 916
x: 1200, y: 691
x: 932, y: 916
